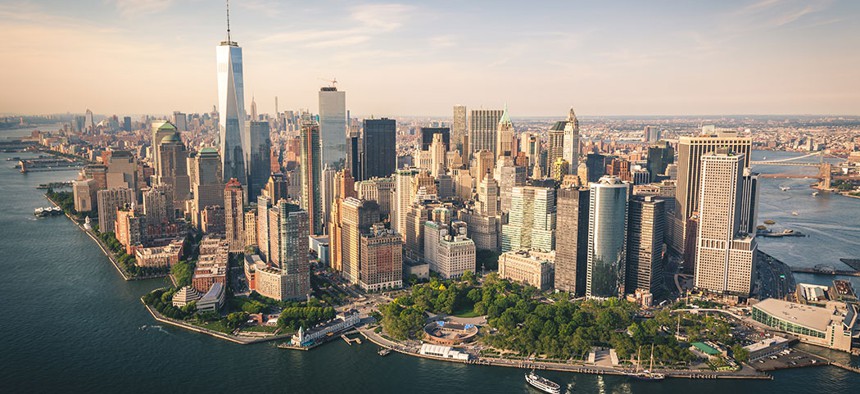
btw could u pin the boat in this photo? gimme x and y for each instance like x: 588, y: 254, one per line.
x: 40, y: 212
x: 784, y: 188
x: 794, y: 213
x: 647, y: 374
x: 384, y: 352
x: 814, y: 194
x: 543, y: 384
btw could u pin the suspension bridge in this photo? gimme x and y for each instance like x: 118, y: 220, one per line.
x: 793, y: 161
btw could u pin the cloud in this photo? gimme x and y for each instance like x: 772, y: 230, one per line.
x: 775, y: 13
x: 129, y: 8
x: 381, y: 17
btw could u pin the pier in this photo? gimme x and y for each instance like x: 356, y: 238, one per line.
x: 349, y: 341
x: 818, y: 271
x: 845, y: 366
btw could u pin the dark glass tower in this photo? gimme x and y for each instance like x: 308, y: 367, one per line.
x: 379, y: 150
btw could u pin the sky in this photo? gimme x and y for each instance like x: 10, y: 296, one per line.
x: 655, y: 57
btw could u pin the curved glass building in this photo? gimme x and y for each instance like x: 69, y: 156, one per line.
x: 607, y: 238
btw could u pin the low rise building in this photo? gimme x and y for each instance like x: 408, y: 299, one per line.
x: 443, y: 352
x: 341, y: 322
x: 253, y: 263
x: 213, y: 300
x: 833, y: 326
x: 185, y: 296
x: 766, y: 347
x: 159, y: 256
x: 535, y: 269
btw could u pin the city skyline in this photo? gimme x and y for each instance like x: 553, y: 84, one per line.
x: 715, y: 59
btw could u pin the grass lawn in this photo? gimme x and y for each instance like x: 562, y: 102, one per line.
x: 214, y: 326
x: 466, y: 312
x: 263, y: 328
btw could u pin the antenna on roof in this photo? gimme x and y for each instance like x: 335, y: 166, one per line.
x: 230, y: 41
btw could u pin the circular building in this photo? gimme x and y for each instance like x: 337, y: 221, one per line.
x: 450, y: 334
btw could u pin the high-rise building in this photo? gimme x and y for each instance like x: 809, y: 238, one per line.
x: 158, y: 204
x: 438, y: 157
x: 596, y: 165
x: 332, y: 105
x: 379, y: 190
x: 108, y: 202
x: 234, y: 136
x: 122, y: 170
x: 328, y: 192
x: 160, y: 130
x: 749, y: 203
x: 381, y: 259
x: 505, y: 136
x: 459, y: 131
x: 570, y: 152
x: 531, y: 223
x: 206, y: 185
x: 234, y: 215
x: 690, y: 152
x: 126, y: 123
x: 482, y: 164
x: 488, y: 197
x: 356, y: 219
x: 84, y: 191
x: 646, y: 225
x: 571, y: 240
x: 651, y: 134
x: 293, y: 241
x: 659, y: 157
x: 312, y: 177
x: 379, y: 148
x: 404, y: 195
x: 353, y: 154
x: 447, y: 249
x: 725, y: 254
x: 277, y: 187
x: 607, y: 238
x: 427, y: 134
x: 180, y: 120
x: 484, y: 124
x: 508, y: 176
x: 172, y: 167
x: 261, y: 158
x: 264, y: 238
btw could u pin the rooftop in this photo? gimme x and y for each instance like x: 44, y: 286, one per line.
x: 808, y: 316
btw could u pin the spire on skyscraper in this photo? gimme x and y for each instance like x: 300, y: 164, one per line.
x: 229, y: 40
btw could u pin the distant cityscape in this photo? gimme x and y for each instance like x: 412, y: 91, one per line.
x: 455, y: 238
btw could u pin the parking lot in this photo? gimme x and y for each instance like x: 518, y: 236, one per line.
x: 790, y: 358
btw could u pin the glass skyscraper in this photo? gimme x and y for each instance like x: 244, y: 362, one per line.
x: 607, y: 238
x: 234, y: 137
x: 333, y: 126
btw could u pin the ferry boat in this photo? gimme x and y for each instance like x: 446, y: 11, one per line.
x: 543, y: 384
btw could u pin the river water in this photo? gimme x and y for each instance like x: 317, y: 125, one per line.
x: 71, y: 324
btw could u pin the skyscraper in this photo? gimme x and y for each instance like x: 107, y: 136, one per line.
x: 659, y: 157
x: 459, y: 131
x: 234, y: 137
x: 484, y: 125
x: 332, y: 105
x: 725, y: 254
x: 571, y: 240
x: 234, y: 215
x: 381, y: 259
x: 207, y: 184
x: 172, y: 167
x: 160, y: 129
x: 108, y: 202
x: 531, y: 224
x: 570, y: 152
x: 312, y: 177
x: 508, y: 176
x: 505, y: 136
x: 690, y: 152
x: 607, y: 238
x: 293, y: 248
x: 427, y: 134
x: 261, y: 158
x: 356, y: 218
x: 379, y: 148
x: 645, y: 233
x: 403, y: 198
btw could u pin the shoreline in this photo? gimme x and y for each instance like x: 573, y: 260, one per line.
x: 200, y: 330
x: 570, y: 368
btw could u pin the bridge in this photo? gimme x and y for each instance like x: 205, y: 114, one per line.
x: 791, y: 161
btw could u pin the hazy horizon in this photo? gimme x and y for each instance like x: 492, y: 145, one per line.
x: 734, y: 58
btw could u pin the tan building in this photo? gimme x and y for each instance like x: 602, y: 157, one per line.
x: 108, y: 202
x: 84, y: 191
x: 535, y: 269
x: 159, y: 256
x: 448, y: 250
x: 381, y: 259
x: 250, y: 228
x: 234, y: 215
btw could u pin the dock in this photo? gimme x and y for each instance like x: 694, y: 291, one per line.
x: 824, y: 271
x: 845, y: 366
x: 349, y: 341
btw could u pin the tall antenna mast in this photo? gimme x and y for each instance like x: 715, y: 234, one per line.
x: 229, y: 41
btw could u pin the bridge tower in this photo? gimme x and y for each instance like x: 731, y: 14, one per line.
x: 824, y: 173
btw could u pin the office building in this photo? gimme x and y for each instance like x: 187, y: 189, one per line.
x: 571, y: 240
x: 172, y: 166
x: 447, y: 249
x: 749, y: 203
x: 404, y: 195
x: 207, y: 186
x: 483, y: 129
x: 570, y: 152
x: 108, y: 202
x: 379, y: 190
x: 357, y: 217
x: 84, y: 192
x: 522, y: 266
x: 312, y: 178
x: 607, y: 238
x: 595, y: 164
x: 725, y: 255
x: 381, y: 259
x: 505, y: 145
x: 261, y: 159
x: 690, y: 152
x: 234, y: 136
x: 659, y: 158
x: 646, y: 225
x: 234, y: 215
x: 122, y: 170
x: 427, y: 134
x: 332, y: 106
x: 459, y: 131
x: 379, y: 148
x: 531, y: 223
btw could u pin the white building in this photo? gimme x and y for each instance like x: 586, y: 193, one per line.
x: 449, y: 251
x: 443, y: 352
